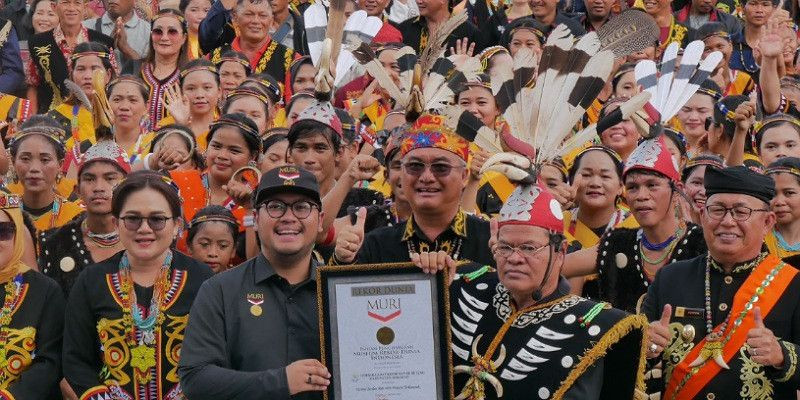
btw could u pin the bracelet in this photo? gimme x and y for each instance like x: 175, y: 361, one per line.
x: 248, y: 221
x: 147, y: 161
x: 330, y: 237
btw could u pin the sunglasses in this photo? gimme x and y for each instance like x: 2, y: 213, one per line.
x: 7, y: 231
x: 134, y: 222
x: 438, y: 169
x: 158, y: 32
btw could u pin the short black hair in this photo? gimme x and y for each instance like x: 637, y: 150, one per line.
x: 184, y: 4
x: 197, y: 158
x: 774, y: 121
x: 725, y: 104
x: 95, y: 47
x: 618, y: 165
x: 141, y: 180
x: 142, y: 88
x: 713, y: 28
x: 199, y: 62
x: 309, y: 127
x: 210, y: 211
x: 253, y: 142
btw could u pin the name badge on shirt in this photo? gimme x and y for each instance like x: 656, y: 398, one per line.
x: 686, y: 312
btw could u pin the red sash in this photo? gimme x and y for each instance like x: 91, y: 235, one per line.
x: 766, y: 301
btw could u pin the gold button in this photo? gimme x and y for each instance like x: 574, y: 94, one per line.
x: 711, y: 396
x: 728, y: 279
x: 723, y: 307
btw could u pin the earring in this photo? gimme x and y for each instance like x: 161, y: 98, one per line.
x: 58, y: 178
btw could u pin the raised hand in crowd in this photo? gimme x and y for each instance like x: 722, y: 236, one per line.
x: 762, y: 344
x: 659, y: 333
x: 462, y: 51
x: 745, y: 115
x: 177, y: 104
x: 121, y: 40
x: 166, y: 158
x: 350, y: 237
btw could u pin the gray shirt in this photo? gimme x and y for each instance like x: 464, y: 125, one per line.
x: 136, y: 29
x: 246, y: 325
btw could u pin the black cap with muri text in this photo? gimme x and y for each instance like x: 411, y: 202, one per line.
x: 287, y: 179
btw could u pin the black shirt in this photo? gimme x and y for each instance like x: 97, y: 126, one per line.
x: 467, y: 238
x: 230, y: 352
x: 415, y: 34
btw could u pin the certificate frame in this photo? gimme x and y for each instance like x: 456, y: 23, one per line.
x: 327, y: 276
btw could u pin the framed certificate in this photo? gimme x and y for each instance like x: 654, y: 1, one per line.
x: 385, y: 332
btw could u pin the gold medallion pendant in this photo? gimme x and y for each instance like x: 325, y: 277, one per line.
x: 256, y: 310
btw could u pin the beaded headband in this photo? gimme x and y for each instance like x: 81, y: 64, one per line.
x: 170, y: 13
x: 488, y: 53
x: 212, y: 218
x: 101, y: 54
x: 729, y: 115
x: 166, y: 179
x: 611, y: 153
x: 783, y: 169
x: 247, y: 130
x: 248, y: 92
x: 719, y: 34
x: 125, y: 79
x: 268, y: 85
x: 244, y: 63
x: 9, y: 200
x: 700, y: 160
x: 55, y: 134
x: 208, y: 68
x: 760, y: 126
x: 166, y: 132
x: 535, y: 31
x: 709, y: 92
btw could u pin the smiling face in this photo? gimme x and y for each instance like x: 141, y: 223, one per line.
x: 622, y: 138
x: 70, y: 12
x: 227, y: 152
x: 145, y: 244
x: 722, y: 45
x: 626, y: 86
x: 596, y: 181
x: 786, y: 203
x: 479, y: 101
x: 288, y: 236
x: 254, y: 20
x: 649, y: 197
x: 431, y: 7
x: 731, y: 241
x: 37, y: 164
x: 83, y: 70
x: 202, y: 90
x: 523, y: 275
x: 543, y: 9
x: 428, y: 192
x: 695, y: 189
x: 657, y: 7
x: 693, y: 116
x: 213, y: 245
x: 96, y: 184
x: 119, y: 8
x: 779, y: 141
x: 196, y: 10
x: 127, y: 105
x: 373, y: 8
x: 167, y: 36
x: 45, y: 17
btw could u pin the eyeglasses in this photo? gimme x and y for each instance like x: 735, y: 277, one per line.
x: 158, y: 32
x: 7, y: 231
x: 301, y: 209
x: 155, y: 222
x: 438, y: 169
x: 739, y: 213
x: 525, y: 250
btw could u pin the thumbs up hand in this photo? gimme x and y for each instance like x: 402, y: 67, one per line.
x: 763, y: 345
x: 350, y: 238
x: 659, y: 333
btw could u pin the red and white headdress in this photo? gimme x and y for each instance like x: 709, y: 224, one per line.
x: 532, y: 205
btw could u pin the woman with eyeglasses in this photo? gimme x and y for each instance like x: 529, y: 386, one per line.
x: 168, y: 51
x: 230, y: 176
x: 37, y: 152
x: 784, y: 239
x: 194, y: 102
x: 32, y: 315
x: 127, y: 314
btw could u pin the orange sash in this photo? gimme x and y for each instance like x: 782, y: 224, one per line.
x: 766, y: 301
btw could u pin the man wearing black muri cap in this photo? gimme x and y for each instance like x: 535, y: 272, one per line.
x: 253, y: 331
x: 726, y: 324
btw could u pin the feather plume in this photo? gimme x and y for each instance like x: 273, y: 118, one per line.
x: 369, y: 60
x: 646, y: 75
x: 667, y: 72
x: 335, y: 28
x: 689, y: 60
x: 630, y: 31
x: 472, y: 129
x: 406, y: 60
x: 523, y: 75
x: 438, y: 40
x: 78, y: 94
x: 101, y: 111
x: 315, y: 19
x: 703, y: 72
x: 554, y: 55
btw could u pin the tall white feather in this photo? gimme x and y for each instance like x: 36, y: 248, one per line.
x: 315, y: 19
x: 667, y: 73
x: 706, y: 67
x: 563, y: 39
x: 691, y: 56
x: 646, y: 74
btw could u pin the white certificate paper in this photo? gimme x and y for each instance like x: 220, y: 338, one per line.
x: 386, y: 346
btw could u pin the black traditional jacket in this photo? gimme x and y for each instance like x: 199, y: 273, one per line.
x: 99, y: 361
x: 556, y: 349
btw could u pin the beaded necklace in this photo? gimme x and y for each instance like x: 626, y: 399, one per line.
x: 712, y: 335
x: 669, y: 245
x: 13, y: 288
x: 784, y: 244
x: 143, y: 353
x: 104, y: 240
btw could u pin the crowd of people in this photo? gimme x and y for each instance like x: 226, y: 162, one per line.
x: 612, y: 188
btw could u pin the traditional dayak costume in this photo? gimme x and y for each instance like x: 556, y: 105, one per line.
x: 712, y: 313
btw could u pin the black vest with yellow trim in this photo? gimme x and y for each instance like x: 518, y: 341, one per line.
x: 52, y: 67
x: 543, y: 350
